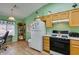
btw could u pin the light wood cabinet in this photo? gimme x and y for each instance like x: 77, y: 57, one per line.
x: 74, y: 17
x: 43, y: 18
x: 55, y: 16
x: 61, y: 15
x: 49, y: 21
x: 74, y: 47
x: 46, y: 43
x: 64, y: 15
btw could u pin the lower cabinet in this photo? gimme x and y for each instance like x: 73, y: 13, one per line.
x: 46, y: 43
x: 74, y: 47
x: 74, y: 50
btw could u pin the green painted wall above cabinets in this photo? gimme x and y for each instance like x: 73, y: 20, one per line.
x: 54, y: 8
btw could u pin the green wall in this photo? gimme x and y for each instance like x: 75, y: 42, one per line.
x: 62, y: 26
x: 16, y: 29
x: 54, y: 7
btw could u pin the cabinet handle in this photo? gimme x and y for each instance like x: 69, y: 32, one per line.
x: 76, y: 46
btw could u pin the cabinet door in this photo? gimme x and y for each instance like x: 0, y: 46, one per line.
x: 74, y: 17
x: 46, y: 49
x: 61, y: 15
x: 56, y: 16
x: 46, y: 44
x: 64, y: 15
x: 43, y: 18
x: 49, y: 21
x: 75, y: 42
x: 74, y: 50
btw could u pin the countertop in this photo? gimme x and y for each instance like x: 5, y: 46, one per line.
x: 74, y: 38
x: 71, y: 38
x: 48, y: 35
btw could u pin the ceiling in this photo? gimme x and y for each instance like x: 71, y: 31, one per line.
x: 21, y: 10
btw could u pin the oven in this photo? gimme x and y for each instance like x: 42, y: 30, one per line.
x: 60, y: 45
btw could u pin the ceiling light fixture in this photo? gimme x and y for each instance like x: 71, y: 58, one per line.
x: 11, y: 18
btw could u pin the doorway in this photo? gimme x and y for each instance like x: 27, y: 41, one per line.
x: 21, y: 31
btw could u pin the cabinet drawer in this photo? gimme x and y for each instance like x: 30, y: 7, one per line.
x: 46, y: 37
x: 46, y: 44
x: 76, y: 42
x: 46, y: 41
x: 74, y: 50
x: 46, y: 48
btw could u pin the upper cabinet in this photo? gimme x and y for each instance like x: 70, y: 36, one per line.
x: 61, y: 15
x: 55, y: 16
x: 64, y: 15
x: 43, y: 18
x: 49, y: 21
x: 74, y: 17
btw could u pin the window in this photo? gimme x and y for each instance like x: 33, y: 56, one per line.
x: 2, y: 28
x: 11, y: 28
x: 7, y: 26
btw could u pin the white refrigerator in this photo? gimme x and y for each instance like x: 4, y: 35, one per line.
x: 37, y: 32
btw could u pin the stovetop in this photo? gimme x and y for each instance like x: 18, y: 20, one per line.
x: 64, y: 36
